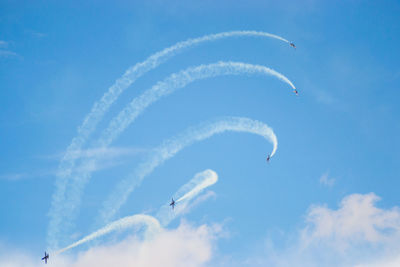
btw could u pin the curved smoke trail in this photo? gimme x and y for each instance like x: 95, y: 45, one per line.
x: 187, y: 192
x: 172, y: 146
x: 191, y: 189
x: 177, y: 81
x: 100, y: 108
x: 153, y: 226
x: 139, y: 104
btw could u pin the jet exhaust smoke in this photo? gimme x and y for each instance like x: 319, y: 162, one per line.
x: 201, y: 181
x: 185, y: 194
x: 177, y: 81
x: 100, y: 108
x: 153, y: 226
x: 138, y: 105
x: 172, y: 146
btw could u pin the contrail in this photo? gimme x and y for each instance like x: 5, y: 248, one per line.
x: 100, y: 108
x: 139, y: 104
x: 172, y: 146
x: 153, y: 226
x: 187, y: 192
x: 200, y: 181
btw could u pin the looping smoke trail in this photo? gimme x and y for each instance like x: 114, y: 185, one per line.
x: 172, y: 146
x: 100, y: 108
x: 153, y: 227
x: 185, y: 194
x: 140, y: 103
x: 191, y: 189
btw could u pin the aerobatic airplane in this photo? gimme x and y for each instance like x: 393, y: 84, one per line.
x: 46, y: 257
x: 268, y: 158
x: 292, y: 45
x: 172, y: 203
x: 296, y: 92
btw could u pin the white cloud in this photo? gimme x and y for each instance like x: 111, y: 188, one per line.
x: 325, y: 180
x: 389, y: 262
x: 357, y: 233
x: 186, y: 246
x: 357, y: 220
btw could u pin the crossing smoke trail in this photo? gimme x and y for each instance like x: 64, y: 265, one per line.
x: 100, y: 107
x: 139, y: 104
x: 200, y: 181
x: 153, y: 226
x: 172, y: 146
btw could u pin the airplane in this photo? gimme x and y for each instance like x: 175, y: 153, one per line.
x: 172, y: 203
x: 296, y: 92
x: 268, y: 158
x: 292, y: 45
x: 46, y: 257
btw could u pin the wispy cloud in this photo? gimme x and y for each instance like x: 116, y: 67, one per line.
x: 325, y: 180
x: 13, y: 176
x: 8, y: 54
x: 36, y: 34
x: 3, y: 43
x: 106, y: 158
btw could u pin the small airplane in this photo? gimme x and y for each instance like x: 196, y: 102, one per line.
x: 292, y: 45
x: 46, y: 257
x: 172, y: 203
x: 268, y: 158
x: 296, y: 92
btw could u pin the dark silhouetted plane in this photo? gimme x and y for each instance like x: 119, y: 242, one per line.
x: 46, y: 257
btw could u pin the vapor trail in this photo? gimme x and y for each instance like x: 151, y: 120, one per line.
x: 200, y: 181
x: 153, y: 226
x: 138, y: 105
x: 187, y: 192
x: 100, y: 107
x: 172, y: 146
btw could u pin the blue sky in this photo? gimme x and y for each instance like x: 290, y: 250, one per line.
x: 57, y: 60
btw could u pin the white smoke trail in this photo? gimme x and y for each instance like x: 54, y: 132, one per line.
x: 169, y: 148
x: 100, y: 107
x: 140, y: 103
x: 177, y: 81
x: 200, y: 181
x: 153, y: 226
x: 185, y: 194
